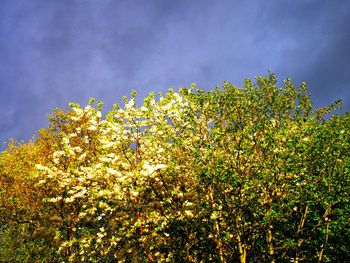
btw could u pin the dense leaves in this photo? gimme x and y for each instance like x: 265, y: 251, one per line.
x: 231, y: 175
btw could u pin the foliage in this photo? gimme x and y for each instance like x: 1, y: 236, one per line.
x: 232, y: 174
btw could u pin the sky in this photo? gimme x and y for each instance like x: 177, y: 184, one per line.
x: 53, y: 52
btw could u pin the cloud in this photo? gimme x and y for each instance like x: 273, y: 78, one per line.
x: 54, y: 52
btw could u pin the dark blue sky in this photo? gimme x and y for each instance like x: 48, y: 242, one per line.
x: 53, y: 52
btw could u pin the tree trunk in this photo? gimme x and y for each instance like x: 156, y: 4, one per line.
x: 270, y: 245
x: 242, y: 250
x: 300, y: 229
x: 325, y: 244
x: 217, y: 238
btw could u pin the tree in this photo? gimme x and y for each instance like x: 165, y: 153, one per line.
x: 24, y: 228
x: 232, y: 174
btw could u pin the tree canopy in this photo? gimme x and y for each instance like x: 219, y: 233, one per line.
x: 229, y: 175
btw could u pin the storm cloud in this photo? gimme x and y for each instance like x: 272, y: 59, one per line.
x: 54, y: 52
